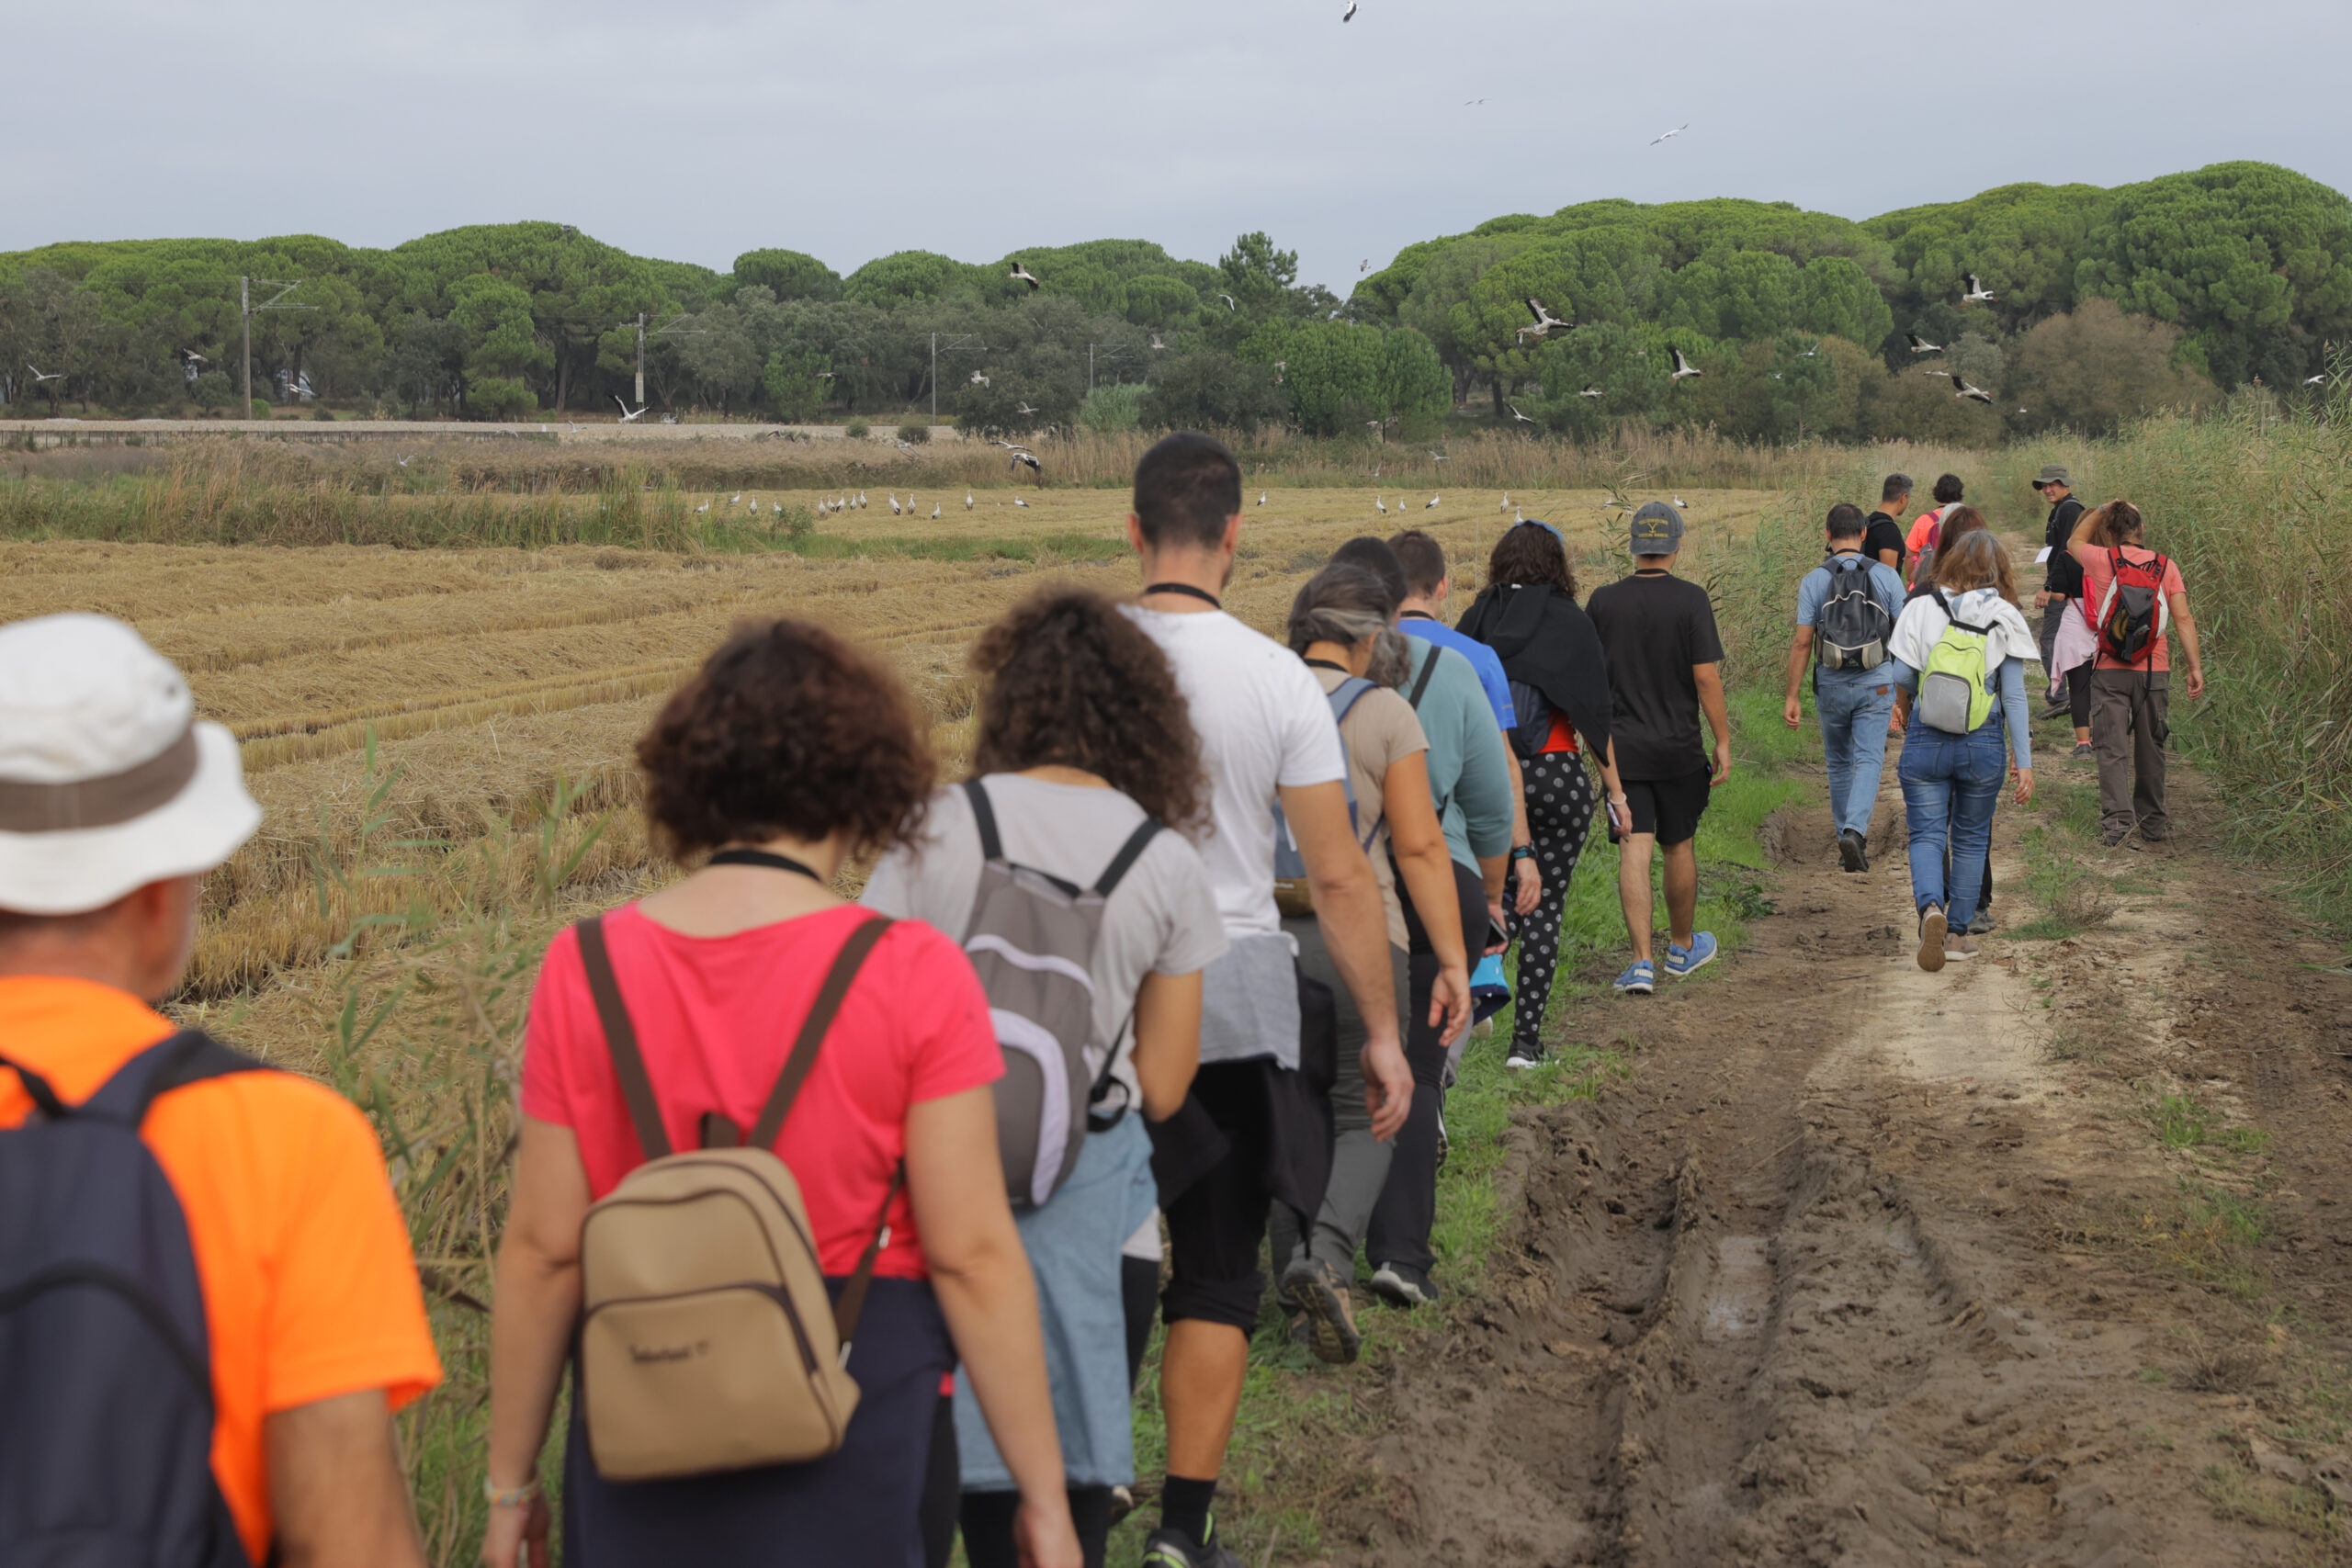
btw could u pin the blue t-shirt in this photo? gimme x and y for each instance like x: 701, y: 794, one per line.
x: 1885, y: 587
x: 1485, y: 660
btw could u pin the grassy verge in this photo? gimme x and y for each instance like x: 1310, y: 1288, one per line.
x: 1300, y: 1450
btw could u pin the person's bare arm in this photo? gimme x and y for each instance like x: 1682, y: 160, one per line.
x: 1355, y: 934
x: 1800, y: 647
x: 537, y: 1301
x: 1427, y: 866
x: 1168, y: 1041
x: 335, y: 1486
x: 986, y: 1292
x: 1710, y: 679
x: 1892, y: 561
x: 1531, y: 877
x: 2185, y: 624
x: 2078, y: 544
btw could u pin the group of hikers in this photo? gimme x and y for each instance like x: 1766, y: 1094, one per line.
x: 1924, y: 635
x: 847, y: 1221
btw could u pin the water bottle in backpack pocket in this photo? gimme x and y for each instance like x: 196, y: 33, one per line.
x: 1953, y: 696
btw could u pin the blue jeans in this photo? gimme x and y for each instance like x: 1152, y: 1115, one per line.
x: 1854, y: 705
x: 1951, y: 783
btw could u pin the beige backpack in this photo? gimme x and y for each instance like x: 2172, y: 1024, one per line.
x: 706, y: 1341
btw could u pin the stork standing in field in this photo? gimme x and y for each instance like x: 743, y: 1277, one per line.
x: 1380, y: 505
x: 968, y: 501
x: 1432, y: 505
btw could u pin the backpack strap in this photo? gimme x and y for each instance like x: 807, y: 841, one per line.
x: 852, y: 1304
x: 984, y: 817
x: 189, y: 1056
x: 830, y: 996
x: 1945, y: 605
x: 1344, y: 697
x: 620, y: 1041
x: 1129, y: 852
x: 1428, y: 668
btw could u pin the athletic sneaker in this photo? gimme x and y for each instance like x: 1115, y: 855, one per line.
x: 1853, y: 850
x: 1524, y: 1056
x: 1683, y: 962
x: 1638, y: 981
x: 1174, y: 1549
x: 1123, y: 1503
x: 1314, y: 1287
x: 1933, y: 928
x: 2113, y: 837
x: 1984, y: 924
x: 2083, y: 752
x: 1958, y: 945
x: 2059, y: 710
x: 1402, y: 1285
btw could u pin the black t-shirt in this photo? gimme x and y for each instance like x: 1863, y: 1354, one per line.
x: 1653, y: 629
x: 1882, y: 533
x: 2066, y: 574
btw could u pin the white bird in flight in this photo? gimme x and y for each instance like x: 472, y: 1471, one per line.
x: 1810, y: 352
x: 1545, y: 321
x: 1229, y: 305
x: 403, y: 462
x: 1683, y: 366
x: 1515, y: 414
x: 626, y: 415
x: 1349, y: 14
x: 1022, y: 408
x: 1945, y: 374
x: 1366, y: 266
x: 1591, y: 392
x: 1156, y: 343
x: 1023, y: 274
x: 1671, y: 134
x: 1921, y: 345
x: 1978, y: 393
x: 979, y: 379
x: 1977, y: 293
x: 2320, y: 380
x: 38, y: 377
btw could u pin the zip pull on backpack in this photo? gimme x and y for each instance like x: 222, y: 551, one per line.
x: 1952, y: 693
x: 1031, y: 939
x: 2133, y: 613
x: 105, y: 1426
x: 1851, y: 630
x: 707, y: 1340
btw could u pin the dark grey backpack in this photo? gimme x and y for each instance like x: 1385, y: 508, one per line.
x: 1031, y: 938
x: 106, y: 1429
x: 1853, y: 629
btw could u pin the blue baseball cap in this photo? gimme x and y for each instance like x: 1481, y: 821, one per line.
x: 1657, y: 530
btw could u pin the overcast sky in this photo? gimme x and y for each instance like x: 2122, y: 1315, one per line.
x: 700, y: 129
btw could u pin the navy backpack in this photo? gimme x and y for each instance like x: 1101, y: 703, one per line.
x: 105, y: 1426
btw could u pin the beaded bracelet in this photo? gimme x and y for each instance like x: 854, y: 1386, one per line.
x: 509, y: 1497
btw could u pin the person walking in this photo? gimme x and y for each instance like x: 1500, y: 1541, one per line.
x: 1959, y: 656
x: 671, y: 1024
x: 245, y: 1414
x: 1665, y: 661
x: 1527, y: 615
x: 1847, y: 608
x: 2062, y: 589
x: 1084, y: 750
x: 1266, y: 735
x: 1339, y: 625
x: 1882, y: 532
x: 1958, y: 522
x: 1926, y: 530
x: 1469, y: 776
x: 2136, y: 596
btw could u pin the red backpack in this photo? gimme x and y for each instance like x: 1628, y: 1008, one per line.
x: 2133, y: 616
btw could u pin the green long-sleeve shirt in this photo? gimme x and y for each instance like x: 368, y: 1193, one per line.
x: 1469, y: 773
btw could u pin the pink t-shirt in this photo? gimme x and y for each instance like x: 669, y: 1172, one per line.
x: 716, y: 1017
x: 2097, y: 572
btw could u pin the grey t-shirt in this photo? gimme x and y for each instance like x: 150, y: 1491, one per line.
x: 1161, y: 919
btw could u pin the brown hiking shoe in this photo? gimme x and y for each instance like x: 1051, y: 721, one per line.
x: 1958, y: 944
x: 1315, y: 1289
x: 1932, y: 932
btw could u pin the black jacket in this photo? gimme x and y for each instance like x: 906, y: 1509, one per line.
x: 1547, y: 642
x: 2066, y: 574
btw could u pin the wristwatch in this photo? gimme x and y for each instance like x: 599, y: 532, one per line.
x: 1522, y: 851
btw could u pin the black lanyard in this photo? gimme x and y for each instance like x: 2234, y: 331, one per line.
x: 1327, y: 664
x: 763, y: 857
x: 1415, y: 616
x: 1203, y: 594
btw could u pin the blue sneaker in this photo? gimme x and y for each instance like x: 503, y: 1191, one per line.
x: 1638, y: 981
x: 1683, y: 961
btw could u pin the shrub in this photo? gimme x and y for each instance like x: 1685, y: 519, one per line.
x: 1110, y: 410
x: 857, y: 430
x: 914, y: 434
x: 324, y: 412
x: 259, y: 408
x: 498, y: 397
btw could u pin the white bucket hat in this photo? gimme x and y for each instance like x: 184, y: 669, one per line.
x: 107, y: 780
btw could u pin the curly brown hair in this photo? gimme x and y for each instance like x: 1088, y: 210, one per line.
x: 785, y: 729
x: 2117, y: 522
x: 1071, y: 681
x: 1529, y: 554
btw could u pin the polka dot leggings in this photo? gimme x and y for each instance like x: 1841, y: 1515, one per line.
x: 1560, y: 803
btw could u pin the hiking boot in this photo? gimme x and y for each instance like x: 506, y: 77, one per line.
x: 1314, y: 1287
x: 1174, y: 1549
x: 1637, y: 981
x: 1853, y: 850
x: 2082, y: 753
x: 1932, y: 931
x: 2154, y: 834
x: 1958, y: 945
x: 2112, y: 837
x: 1522, y: 1058
x: 2058, y: 710
x: 1984, y: 924
x: 1402, y: 1285
x: 1683, y: 962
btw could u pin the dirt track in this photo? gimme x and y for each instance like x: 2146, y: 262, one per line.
x: 1856, y: 1269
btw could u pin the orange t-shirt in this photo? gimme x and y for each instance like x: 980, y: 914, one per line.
x: 310, y: 1290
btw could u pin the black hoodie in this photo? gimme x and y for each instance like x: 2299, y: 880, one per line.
x: 1544, y: 641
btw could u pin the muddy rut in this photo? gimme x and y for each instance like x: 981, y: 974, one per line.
x: 1847, y: 1273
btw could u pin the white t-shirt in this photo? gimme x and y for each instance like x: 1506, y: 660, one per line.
x: 1264, y: 726
x: 1923, y: 622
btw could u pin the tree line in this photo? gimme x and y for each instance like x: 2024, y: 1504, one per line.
x: 2106, y: 303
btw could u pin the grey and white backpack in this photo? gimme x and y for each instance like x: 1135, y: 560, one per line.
x: 1031, y: 938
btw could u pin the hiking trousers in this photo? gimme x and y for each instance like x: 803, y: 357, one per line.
x: 1359, y: 1164
x: 1400, y: 1231
x: 2130, y: 720
x: 1950, y: 785
x: 1854, y: 705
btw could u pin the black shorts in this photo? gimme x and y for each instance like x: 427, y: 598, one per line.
x: 1216, y: 1226
x: 1668, y: 809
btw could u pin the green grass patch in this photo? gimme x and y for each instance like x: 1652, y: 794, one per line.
x: 2184, y: 1121
x: 2073, y: 899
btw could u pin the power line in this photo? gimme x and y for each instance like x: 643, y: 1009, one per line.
x: 247, y: 311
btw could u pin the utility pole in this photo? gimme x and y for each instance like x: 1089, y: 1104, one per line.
x: 669, y: 331
x: 1115, y: 351
x: 247, y: 311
